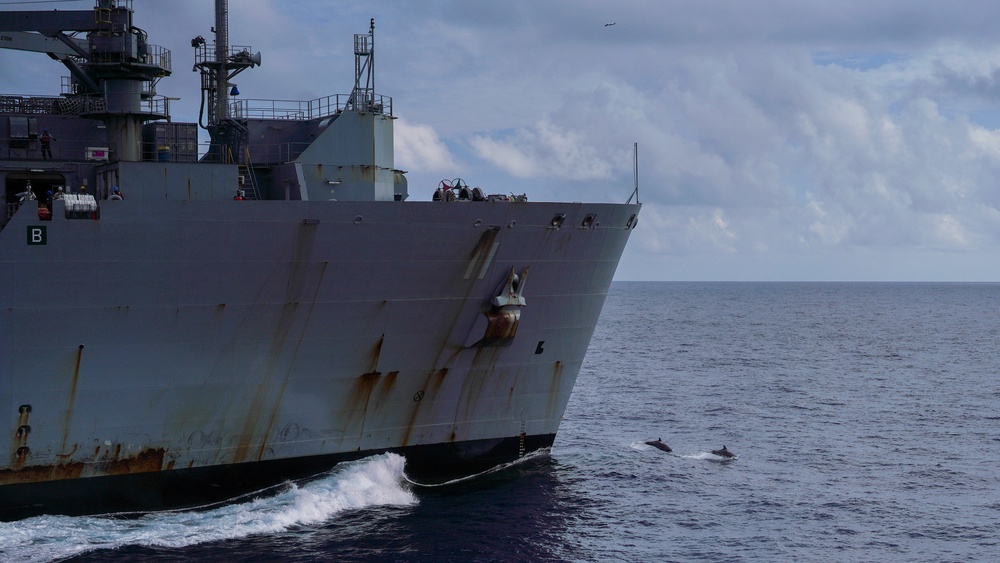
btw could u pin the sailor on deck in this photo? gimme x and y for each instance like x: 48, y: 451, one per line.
x: 46, y: 140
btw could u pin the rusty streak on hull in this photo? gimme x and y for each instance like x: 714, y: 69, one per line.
x: 68, y: 419
x: 501, y: 328
x: 143, y: 462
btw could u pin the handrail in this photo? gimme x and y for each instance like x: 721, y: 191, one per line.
x: 79, y: 104
x: 308, y: 109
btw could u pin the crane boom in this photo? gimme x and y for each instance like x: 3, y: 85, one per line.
x: 38, y: 43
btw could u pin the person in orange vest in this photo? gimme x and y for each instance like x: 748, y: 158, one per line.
x: 46, y: 140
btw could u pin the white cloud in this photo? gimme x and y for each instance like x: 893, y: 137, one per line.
x: 507, y: 155
x: 418, y: 148
x: 949, y: 230
x: 712, y: 229
x: 829, y: 230
x: 545, y: 150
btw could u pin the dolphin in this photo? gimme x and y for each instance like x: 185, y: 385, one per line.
x: 723, y: 452
x: 658, y: 444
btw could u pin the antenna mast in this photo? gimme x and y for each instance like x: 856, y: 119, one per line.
x: 363, y: 97
x: 218, y: 64
x: 221, y: 52
x: 635, y: 173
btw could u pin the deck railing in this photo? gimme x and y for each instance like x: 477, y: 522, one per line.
x: 310, y: 109
x: 76, y: 105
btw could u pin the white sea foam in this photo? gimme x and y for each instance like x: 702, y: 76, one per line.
x: 638, y: 445
x: 374, y: 481
x: 708, y: 456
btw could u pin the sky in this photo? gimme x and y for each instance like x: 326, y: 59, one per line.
x: 778, y: 140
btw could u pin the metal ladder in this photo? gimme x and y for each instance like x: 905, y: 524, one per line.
x: 246, y: 177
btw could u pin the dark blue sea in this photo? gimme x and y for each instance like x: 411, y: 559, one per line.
x: 865, y: 419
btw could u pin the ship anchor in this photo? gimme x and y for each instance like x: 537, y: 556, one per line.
x: 498, y: 326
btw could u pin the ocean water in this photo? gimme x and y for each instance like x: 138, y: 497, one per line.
x: 864, y: 417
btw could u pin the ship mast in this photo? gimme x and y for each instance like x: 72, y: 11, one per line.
x: 218, y: 64
x: 363, y: 96
x: 221, y: 50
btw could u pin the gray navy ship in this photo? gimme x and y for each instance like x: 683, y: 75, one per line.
x: 181, y: 325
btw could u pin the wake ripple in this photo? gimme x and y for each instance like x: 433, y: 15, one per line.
x: 526, y: 458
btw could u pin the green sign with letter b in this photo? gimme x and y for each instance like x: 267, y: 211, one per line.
x: 37, y: 235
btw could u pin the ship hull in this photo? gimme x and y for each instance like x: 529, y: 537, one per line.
x: 207, y: 486
x: 161, y: 349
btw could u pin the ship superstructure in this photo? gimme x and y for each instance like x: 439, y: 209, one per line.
x: 179, y: 325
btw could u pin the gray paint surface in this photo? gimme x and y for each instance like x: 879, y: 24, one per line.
x: 230, y: 331
x: 182, y: 329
